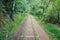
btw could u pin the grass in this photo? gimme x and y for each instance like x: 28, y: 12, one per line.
x: 51, y: 29
x: 18, y: 22
x: 9, y: 29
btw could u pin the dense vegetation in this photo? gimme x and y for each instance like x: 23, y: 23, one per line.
x: 11, y: 17
x: 45, y: 10
x: 52, y: 30
x: 48, y: 12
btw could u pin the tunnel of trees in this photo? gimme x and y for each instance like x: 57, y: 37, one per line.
x: 46, y: 10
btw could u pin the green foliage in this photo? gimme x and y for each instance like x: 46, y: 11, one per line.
x: 51, y: 29
x: 9, y: 28
x: 48, y: 10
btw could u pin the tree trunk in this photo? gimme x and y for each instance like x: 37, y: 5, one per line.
x: 58, y: 17
x: 12, y: 10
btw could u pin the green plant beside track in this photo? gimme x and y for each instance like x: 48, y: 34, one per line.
x: 51, y: 29
x: 9, y: 29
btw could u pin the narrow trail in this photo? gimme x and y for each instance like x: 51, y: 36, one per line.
x: 30, y: 30
x: 41, y: 32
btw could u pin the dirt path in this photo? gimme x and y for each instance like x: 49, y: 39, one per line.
x: 41, y: 32
x: 30, y: 29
